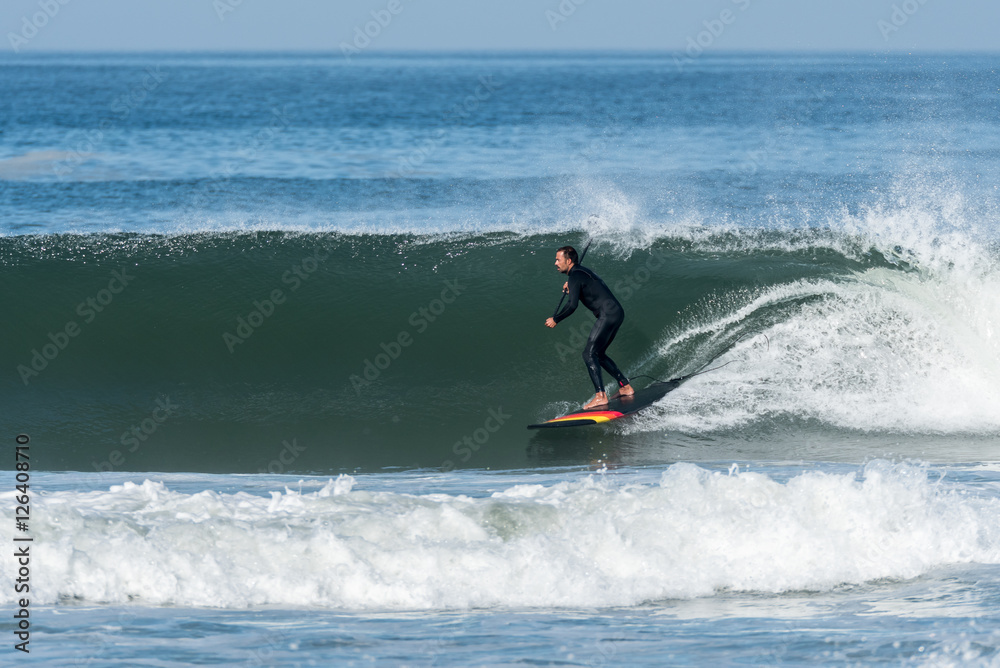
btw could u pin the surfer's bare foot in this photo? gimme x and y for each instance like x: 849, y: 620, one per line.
x: 600, y: 399
x: 626, y: 391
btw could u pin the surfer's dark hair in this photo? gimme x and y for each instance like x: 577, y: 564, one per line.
x: 570, y: 252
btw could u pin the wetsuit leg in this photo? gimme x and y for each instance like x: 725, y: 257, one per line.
x: 594, y: 355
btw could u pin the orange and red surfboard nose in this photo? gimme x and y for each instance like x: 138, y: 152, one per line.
x: 596, y: 416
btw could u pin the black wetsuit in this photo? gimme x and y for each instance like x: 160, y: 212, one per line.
x: 587, y: 287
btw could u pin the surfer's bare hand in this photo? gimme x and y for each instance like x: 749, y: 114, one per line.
x: 566, y: 286
x: 550, y: 323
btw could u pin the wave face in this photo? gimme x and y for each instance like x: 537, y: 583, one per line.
x: 277, y: 351
x: 589, y: 542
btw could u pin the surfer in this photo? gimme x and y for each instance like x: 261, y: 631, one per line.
x: 587, y: 287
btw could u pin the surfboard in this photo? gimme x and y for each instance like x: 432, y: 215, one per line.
x: 617, y: 407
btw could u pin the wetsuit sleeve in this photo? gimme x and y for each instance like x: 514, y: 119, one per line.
x: 573, y: 302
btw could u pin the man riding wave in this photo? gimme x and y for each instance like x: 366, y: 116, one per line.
x: 586, y: 287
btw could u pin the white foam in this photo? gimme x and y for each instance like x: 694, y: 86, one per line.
x: 913, y: 350
x: 586, y: 542
x: 882, y: 352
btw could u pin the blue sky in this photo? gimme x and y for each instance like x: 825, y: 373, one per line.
x: 672, y: 25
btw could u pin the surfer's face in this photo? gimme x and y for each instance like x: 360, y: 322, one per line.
x: 563, y: 263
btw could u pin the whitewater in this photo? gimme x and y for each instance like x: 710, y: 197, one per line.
x: 607, y: 539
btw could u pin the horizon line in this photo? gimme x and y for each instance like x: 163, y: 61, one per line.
x: 502, y: 51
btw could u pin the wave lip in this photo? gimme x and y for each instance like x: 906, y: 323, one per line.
x: 583, y: 543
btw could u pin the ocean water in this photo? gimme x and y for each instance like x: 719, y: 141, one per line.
x: 273, y: 332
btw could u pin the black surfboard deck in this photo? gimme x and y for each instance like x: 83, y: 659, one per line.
x: 617, y: 407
